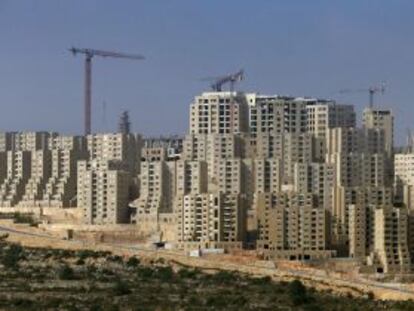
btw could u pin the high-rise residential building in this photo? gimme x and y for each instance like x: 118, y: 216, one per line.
x: 219, y: 113
x: 404, y: 178
x: 344, y: 200
x: 391, y: 253
x: 18, y: 164
x: 323, y: 115
x: 318, y: 179
x: 374, y: 118
x: 292, y: 227
x: 103, y: 193
x: 40, y: 173
x: 276, y: 114
x: 268, y: 175
x: 192, y: 177
x: 25, y: 141
x: 210, y: 220
x: 154, y: 189
x: 292, y: 176
x: 123, y: 148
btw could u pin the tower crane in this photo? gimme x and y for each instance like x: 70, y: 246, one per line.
x: 372, y: 90
x: 89, y: 54
x: 218, y: 82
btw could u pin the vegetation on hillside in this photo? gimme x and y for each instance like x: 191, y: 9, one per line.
x: 46, y: 279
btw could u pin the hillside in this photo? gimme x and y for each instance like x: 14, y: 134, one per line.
x: 46, y: 279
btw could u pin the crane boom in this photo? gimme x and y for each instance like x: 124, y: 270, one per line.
x: 92, y: 52
x: 372, y: 90
x: 218, y: 82
x: 89, y: 54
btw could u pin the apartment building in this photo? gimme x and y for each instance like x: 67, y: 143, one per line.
x: 375, y: 118
x: 316, y: 178
x: 18, y: 166
x: 103, y: 193
x: 268, y: 175
x: 348, y: 202
x: 210, y: 220
x: 404, y: 178
x: 323, y: 115
x: 124, y: 148
x: 154, y: 189
x: 219, y: 113
x: 40, y: 173
x: 391, y: 253
x: 292, y: 227
x: 192, y: 177
x: 276, y: 114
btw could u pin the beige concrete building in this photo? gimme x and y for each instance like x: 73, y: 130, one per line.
x: 348, y: 202
x: 391, y: 253
x: 404, y: 178
x: 374, y: 118
x: 192, y: 177
x: 210, y: 220
x: 316, y: 178
x: 219, y: 113
x: 291, y: 227
x: 103, y: 193
x: 123, y: 148
x: 155, y: 193
x: 323, y: 115
x: 18, y: 165
x: 40, y: 173
x: 25, y: 141
x: 268, y: 175
x: 276, y: 114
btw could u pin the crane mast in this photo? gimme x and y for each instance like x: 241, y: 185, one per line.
x: 89, y: 54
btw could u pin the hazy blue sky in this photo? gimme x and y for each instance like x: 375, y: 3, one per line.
x: 311, y: 48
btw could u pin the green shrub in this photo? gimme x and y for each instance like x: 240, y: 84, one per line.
x: 297, y: 292
x: 114, y: 258
x: 133, y: 262
x: 23, y: 219
x: 187, y: 273
x: 66, y: 273
x: 12, y: 256
x: 225, y: 277
x: 121, y: 288
x: 80, y: 262
x: 165, y: 273
x: 261, y: 281
x: 145, y: 272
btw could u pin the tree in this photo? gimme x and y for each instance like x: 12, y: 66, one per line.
x: 66, y: 273
x: 12, y: 256
x: 121, y: 288
x: 297, y: 292
x: 133, y: 262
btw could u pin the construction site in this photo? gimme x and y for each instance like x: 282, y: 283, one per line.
x: 279, y: 186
